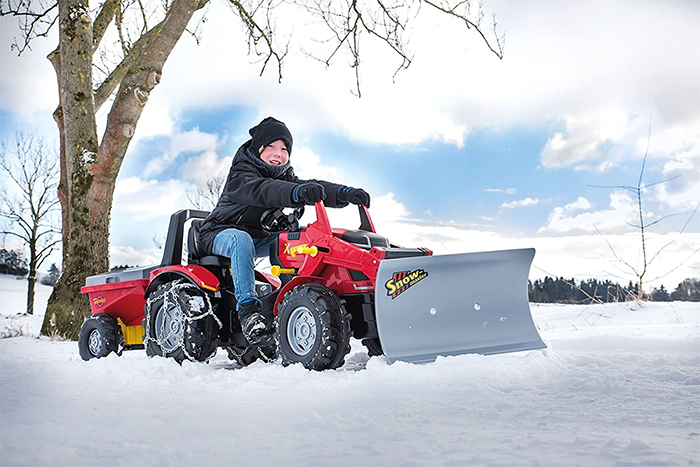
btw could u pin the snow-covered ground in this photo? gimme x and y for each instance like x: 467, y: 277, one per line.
x: 618, y: 385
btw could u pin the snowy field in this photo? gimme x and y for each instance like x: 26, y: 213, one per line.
x: 618, y: 385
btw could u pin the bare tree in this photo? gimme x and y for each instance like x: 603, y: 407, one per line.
x: 207, y: 194
x: 90, y: 72
x: 387, y: 21
x: 33, y: 170
x: 640, y: 271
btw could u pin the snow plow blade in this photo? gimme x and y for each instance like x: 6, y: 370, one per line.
x: 429, y: 306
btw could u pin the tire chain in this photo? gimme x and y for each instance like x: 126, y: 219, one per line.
x: 172, y: 293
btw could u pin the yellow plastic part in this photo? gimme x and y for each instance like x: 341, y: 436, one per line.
x: 133, y: 335
x: 276, y: 270
x: 303, y: 250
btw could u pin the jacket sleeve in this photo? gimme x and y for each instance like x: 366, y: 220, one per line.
x: 331, y: 190
x: 249, y: 188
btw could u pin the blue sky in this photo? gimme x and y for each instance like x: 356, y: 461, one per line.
x: 441, y: 182
x: 462, y: 152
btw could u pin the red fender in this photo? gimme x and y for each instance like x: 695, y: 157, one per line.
x: 297, y: 280
x: 198, y: 275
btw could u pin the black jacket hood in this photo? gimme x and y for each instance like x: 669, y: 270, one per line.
x: 246, y: 154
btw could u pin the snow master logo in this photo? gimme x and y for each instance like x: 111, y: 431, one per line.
x: 99, y: 301
x: 402, y: 281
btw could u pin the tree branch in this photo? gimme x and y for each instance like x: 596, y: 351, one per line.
x: 680, y: 232
x: 120, y: 71
x: 500, y: 41
x: 258, y: 35
x: 9, y: 232
x: 142, y: 76
x: 619, y: 260
x: 104, y: 18
x: 32, y: 24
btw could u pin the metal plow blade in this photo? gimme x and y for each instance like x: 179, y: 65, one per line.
x: 455, y: 304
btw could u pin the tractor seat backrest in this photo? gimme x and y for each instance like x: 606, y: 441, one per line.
x: 197, y: 252
x: 194, y: 244
x: 174, y: 251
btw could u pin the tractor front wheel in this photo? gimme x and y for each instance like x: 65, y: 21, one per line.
x: 99, y: 336
x: 374, y: 347
x: 313, y: 328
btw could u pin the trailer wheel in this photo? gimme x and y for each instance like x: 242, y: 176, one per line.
x: 99, y: 336
x: 313, y: 328
x: 180, y: 323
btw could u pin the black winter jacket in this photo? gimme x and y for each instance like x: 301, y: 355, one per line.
x: 252, y: 187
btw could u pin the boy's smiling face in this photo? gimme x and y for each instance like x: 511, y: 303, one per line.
x: 275, y: 153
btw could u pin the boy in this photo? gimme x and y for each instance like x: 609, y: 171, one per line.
x: 261, y: 178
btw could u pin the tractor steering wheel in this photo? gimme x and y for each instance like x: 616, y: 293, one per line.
x: 275, y: 220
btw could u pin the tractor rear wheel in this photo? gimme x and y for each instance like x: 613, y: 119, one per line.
x: 313, y: 328
x: 99, y: 336
x: 180, y: 323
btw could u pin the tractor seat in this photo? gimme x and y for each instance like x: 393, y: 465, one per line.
x: 197, y: 252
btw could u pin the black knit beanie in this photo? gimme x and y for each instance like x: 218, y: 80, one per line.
x: 268, y: 131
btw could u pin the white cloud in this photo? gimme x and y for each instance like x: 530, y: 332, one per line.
x: 595, y: 66
x: 28, y: 83
x: 307, y: 165
x: 521, y: 203
x: 623, y: 209
x: 146, y: 199
x: 605, y: 166
x: 580, y: 204
x: 190, y: 141
x: 389, y: 210
x: 126, y: 255
x: 507, y: 191
x: 683, y: 192
x: 584, y: 137
x: 387, y: 215
x: 589, y: 143
x: 199, y: 169
x: 580, y: 256
x: 566, y: 72
x: 156, y: 119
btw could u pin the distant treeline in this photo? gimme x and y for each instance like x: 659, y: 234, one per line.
x: 547, y: 290
x: 561, y: 290
x: 13, y: 262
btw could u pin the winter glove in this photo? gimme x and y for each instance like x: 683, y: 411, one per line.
x: 308, y: 193
x: 353, y: 195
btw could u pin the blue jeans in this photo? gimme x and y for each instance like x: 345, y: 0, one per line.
x: 242, y: 249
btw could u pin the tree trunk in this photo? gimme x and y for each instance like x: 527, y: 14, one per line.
x: 87, y: 190
x: 31, y: 280
x: 55, y: 59
x: 86, y: 251
x: 30, y: 294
